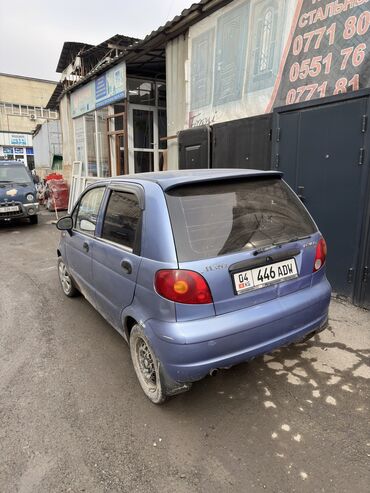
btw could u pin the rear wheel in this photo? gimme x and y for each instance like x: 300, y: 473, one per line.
x: 69, y: 289
x: 146, y: 366
x: 34, y: 219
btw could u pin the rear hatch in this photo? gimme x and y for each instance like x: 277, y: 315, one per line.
x: 250, y: 238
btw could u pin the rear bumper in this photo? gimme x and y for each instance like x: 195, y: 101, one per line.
x: 189, y: 350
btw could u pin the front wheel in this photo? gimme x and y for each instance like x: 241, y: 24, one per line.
x: 146, y: 366
x: 34, y: 219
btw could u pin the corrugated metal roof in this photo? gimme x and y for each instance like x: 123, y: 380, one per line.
x: 139, y: 51
x: 54, y: 98
x: 203, y: 6
x: 69, y: 52
x: 118, y: 40
x: 72, y: 48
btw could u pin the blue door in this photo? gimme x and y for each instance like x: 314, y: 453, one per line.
x: 116, y: 253
x: 79, y: 245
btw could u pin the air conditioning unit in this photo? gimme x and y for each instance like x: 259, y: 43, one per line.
x: 32, y: 117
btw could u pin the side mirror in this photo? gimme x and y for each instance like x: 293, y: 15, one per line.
x: 65, y: 223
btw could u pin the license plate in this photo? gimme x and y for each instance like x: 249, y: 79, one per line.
x: 265, y: 275
x: 11, y: 208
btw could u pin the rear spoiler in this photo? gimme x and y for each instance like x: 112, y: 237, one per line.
x: 171, y: 184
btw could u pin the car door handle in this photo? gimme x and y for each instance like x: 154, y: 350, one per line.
x: 85, y: 246
x: 126, y: 266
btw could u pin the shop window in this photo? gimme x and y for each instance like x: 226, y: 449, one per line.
x: 141, y: 92
x: 162, y: 128
x: 119, y: 122
x: 161, y: 94
x: 143, y: 161
x: 268, y: 16
x: 117, y: 139
x: 120, y: 155
x: 102, y: 142
x: 143, y: 129
x: 162, y: 136
x: 201, y: 69
x: 80, y: 142
x: 91, y: 143
x: 92, y: 169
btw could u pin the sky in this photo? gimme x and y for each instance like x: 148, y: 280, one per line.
x: 32, y: 32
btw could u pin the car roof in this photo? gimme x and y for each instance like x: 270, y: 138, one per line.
x: 169, y: 179
x: 8, y: 161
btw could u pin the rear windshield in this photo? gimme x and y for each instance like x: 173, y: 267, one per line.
x: 212, y: 219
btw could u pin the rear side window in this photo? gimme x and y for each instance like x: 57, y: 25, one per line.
x: 122, y: 218
x: 213, y: 219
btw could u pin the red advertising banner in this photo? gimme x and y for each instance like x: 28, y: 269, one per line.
x: 327, y: 52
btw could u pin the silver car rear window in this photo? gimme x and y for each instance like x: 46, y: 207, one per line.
x: 217, y: 218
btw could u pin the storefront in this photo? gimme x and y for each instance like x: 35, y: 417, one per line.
x: 119, y: 124
x: 17, y: 147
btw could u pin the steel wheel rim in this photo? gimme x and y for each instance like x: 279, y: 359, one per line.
x: 64, y: 278
x: 146, y: 364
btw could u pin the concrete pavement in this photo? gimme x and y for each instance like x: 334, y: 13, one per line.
x: 73, y: 417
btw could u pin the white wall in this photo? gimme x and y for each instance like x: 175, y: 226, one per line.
x: 66, y: 123
x: 221, y: 61
x: 176, y: 61
x: 47, y: 143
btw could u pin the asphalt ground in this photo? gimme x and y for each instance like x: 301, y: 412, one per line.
x: 73, y: 417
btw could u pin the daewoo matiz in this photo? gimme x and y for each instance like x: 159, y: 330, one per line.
x: 197, y: 270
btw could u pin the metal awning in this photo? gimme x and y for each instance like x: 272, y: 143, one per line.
x: 54, y: 98
x: 147, y: 57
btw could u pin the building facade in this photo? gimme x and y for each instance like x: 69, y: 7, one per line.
x: 113, y: 118
x: 281, y: 84
x: 23, y: 102
x: 251, y: 56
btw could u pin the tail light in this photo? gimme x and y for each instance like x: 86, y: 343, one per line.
x: 320, y: 256
x: 182, y: 286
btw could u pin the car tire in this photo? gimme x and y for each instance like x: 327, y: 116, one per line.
x: 146, y: 366
x: 34, y: 219
x: 66, y: 282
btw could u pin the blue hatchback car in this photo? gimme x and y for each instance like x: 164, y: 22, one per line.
x: 198, y: 270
